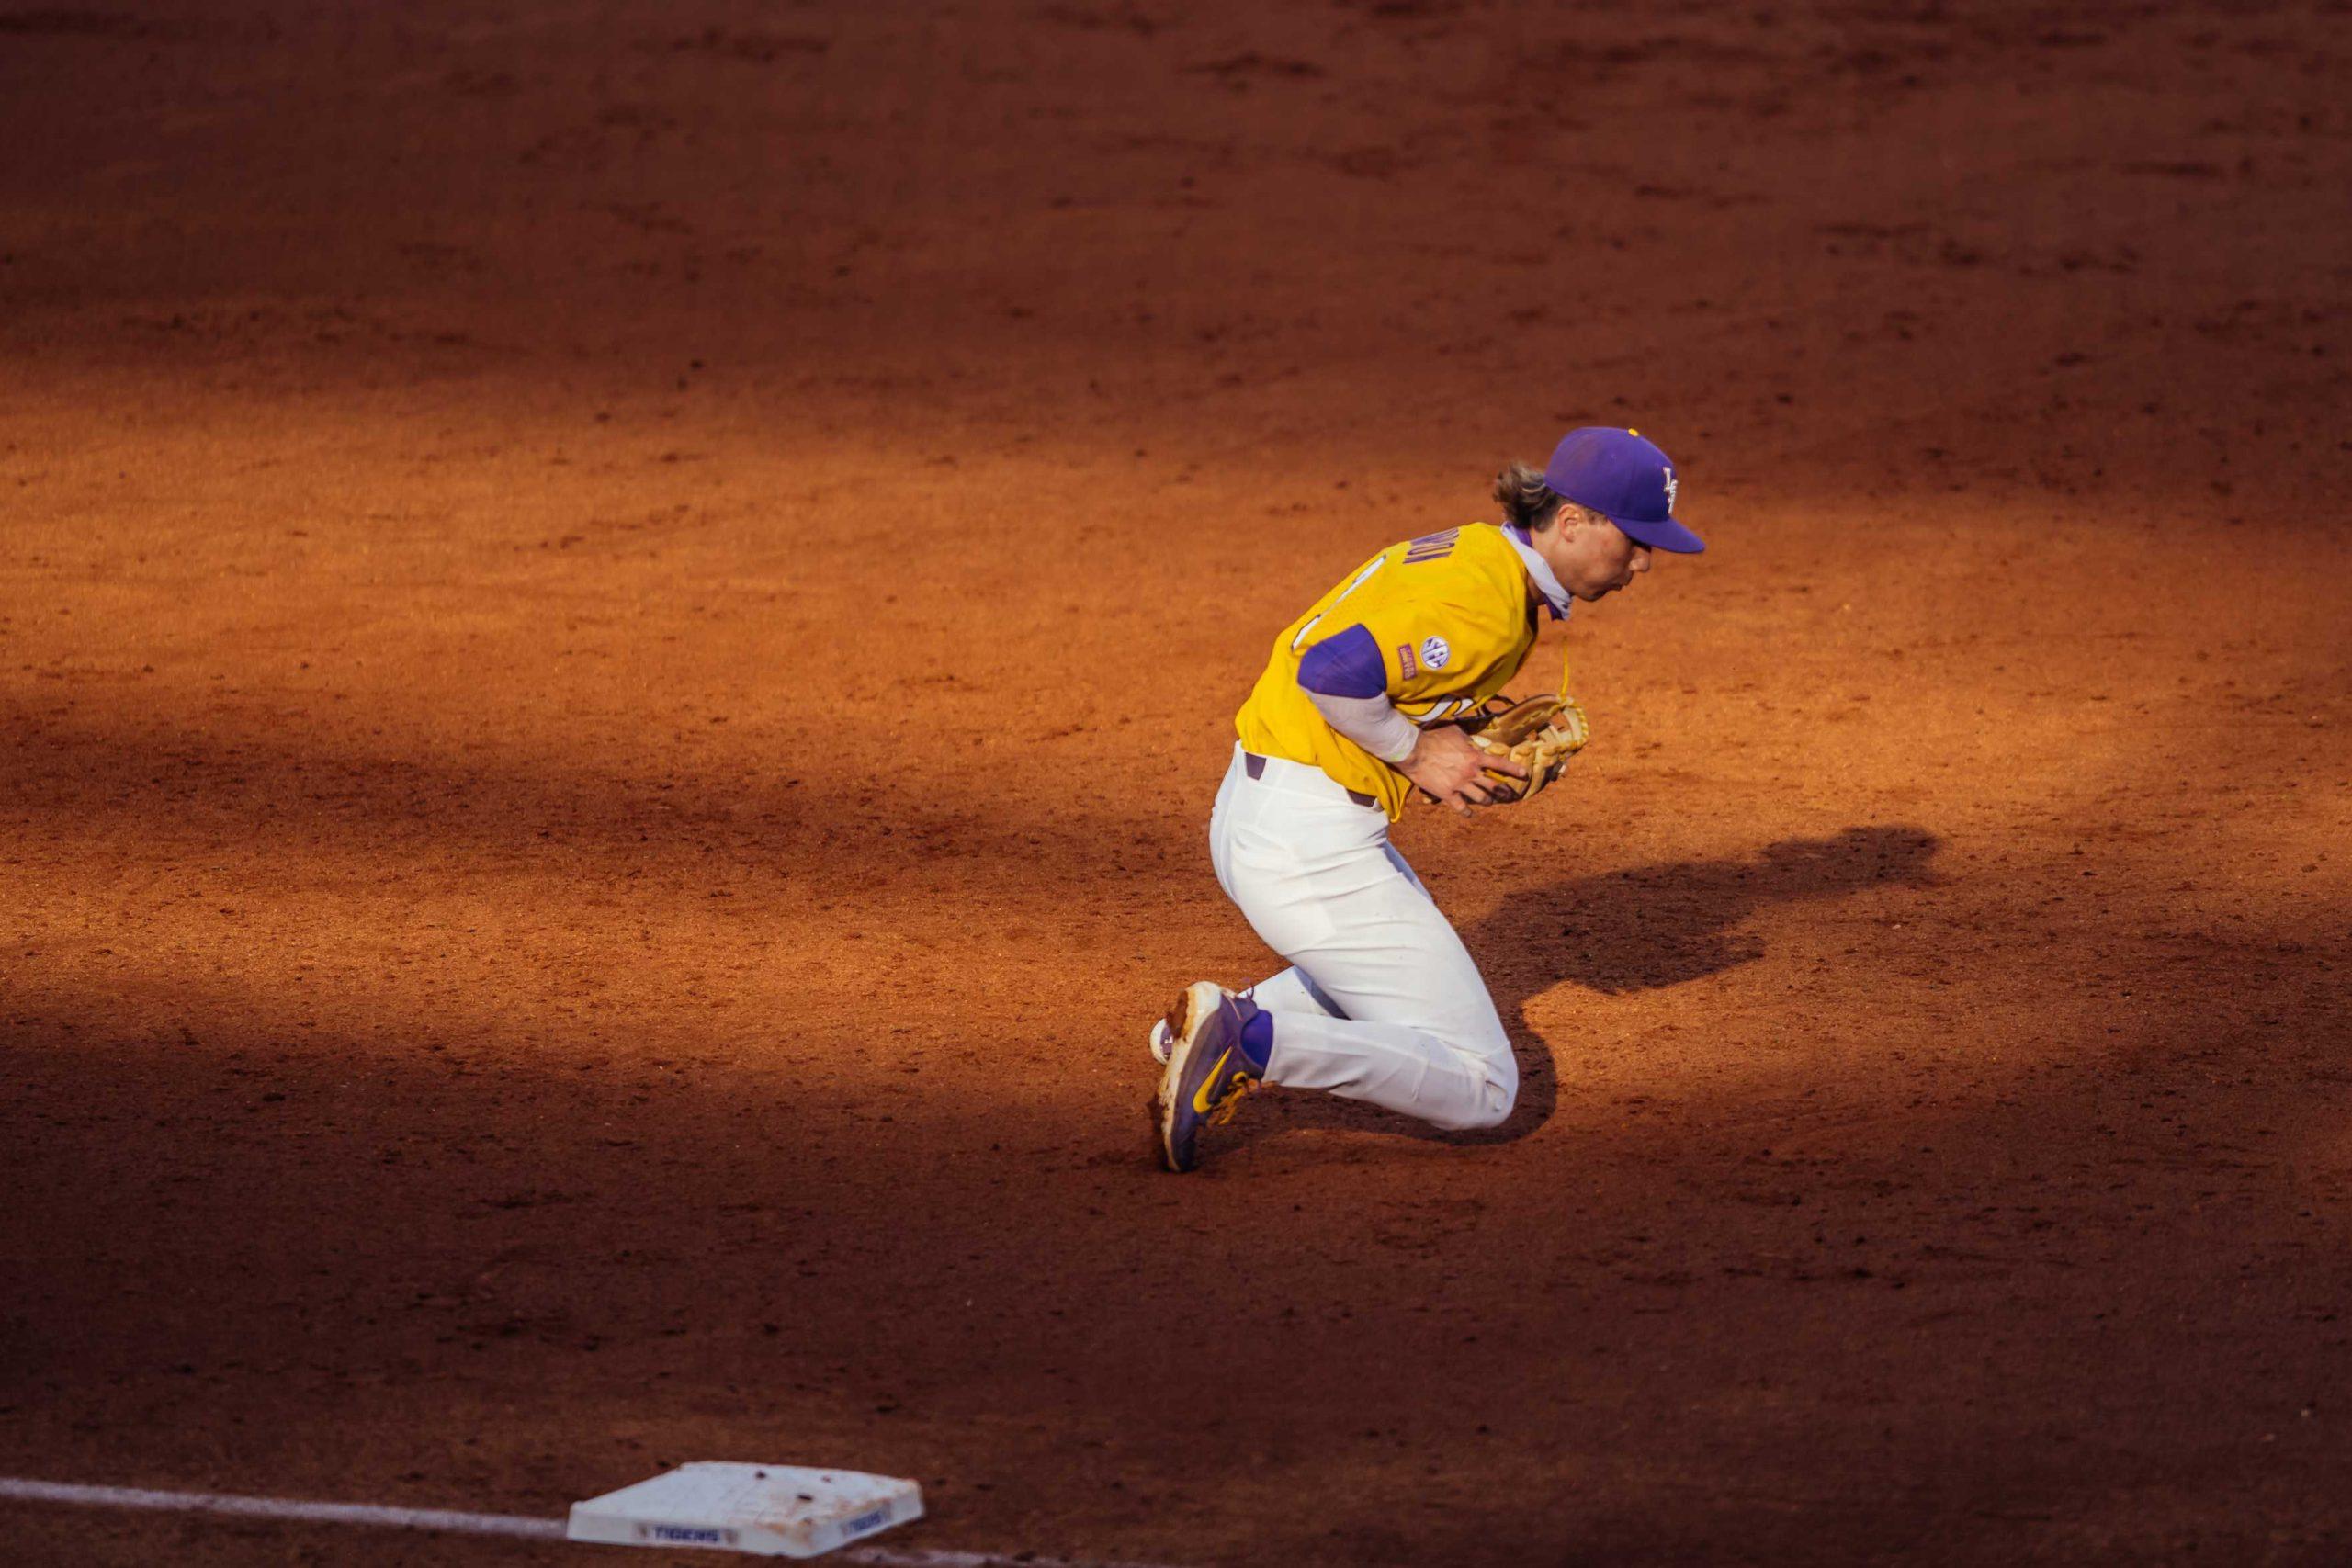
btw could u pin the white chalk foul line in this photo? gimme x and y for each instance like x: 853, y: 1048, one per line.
x: 279, y: 1508
x: 25, y: 1489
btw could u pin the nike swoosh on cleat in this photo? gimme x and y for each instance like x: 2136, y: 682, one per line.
x: 1217, y: 1074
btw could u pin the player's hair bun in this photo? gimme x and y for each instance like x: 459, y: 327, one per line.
x: 1526, y: 499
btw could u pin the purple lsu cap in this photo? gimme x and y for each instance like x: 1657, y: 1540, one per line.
x: 1626, y: 479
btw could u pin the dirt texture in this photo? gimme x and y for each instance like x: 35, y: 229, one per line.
x: 617, y: 623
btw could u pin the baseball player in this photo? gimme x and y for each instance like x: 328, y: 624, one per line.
x: 1363, y: 703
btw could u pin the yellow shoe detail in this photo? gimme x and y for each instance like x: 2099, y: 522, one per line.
x: 1241, y: 1088
x: 1202, y: 1105
x: 1217, y: 1099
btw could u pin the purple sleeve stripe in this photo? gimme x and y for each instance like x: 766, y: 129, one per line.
x: 1345, y: 665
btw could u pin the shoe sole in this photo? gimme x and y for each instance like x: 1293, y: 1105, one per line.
x: 1196, y: 1002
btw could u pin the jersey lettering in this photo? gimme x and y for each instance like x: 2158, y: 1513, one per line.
x: 1431, y: 547
x: 1441, y: 711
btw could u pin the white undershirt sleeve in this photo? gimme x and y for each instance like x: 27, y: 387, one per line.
x: 1372, y: 723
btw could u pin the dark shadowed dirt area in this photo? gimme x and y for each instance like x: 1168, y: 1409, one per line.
x: 617, y: 623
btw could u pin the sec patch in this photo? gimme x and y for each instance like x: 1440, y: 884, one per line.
x: 1434, y: 652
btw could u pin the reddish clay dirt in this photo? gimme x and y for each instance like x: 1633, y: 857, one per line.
x: 618, y: 627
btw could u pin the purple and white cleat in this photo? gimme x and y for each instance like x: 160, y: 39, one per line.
x: 1209, y: 1069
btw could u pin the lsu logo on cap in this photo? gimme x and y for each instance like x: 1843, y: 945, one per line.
x: 1434, y: 652
x: 1670, y: 482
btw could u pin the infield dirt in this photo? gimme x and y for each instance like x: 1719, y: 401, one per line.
x: 617, y: 627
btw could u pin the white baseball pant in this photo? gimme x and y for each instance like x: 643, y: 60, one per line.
x: 1382, y: 1002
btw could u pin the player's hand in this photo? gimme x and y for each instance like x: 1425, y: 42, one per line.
x: 1449, y: 770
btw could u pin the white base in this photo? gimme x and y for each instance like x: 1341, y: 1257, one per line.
x: 768, y: 1510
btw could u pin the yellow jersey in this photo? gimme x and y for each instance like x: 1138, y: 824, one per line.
x: 1455, y: 618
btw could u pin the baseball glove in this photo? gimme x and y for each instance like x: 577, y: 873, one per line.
x: 1538, y: 733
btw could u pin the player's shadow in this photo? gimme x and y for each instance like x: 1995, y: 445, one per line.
x: 1623, y: 931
